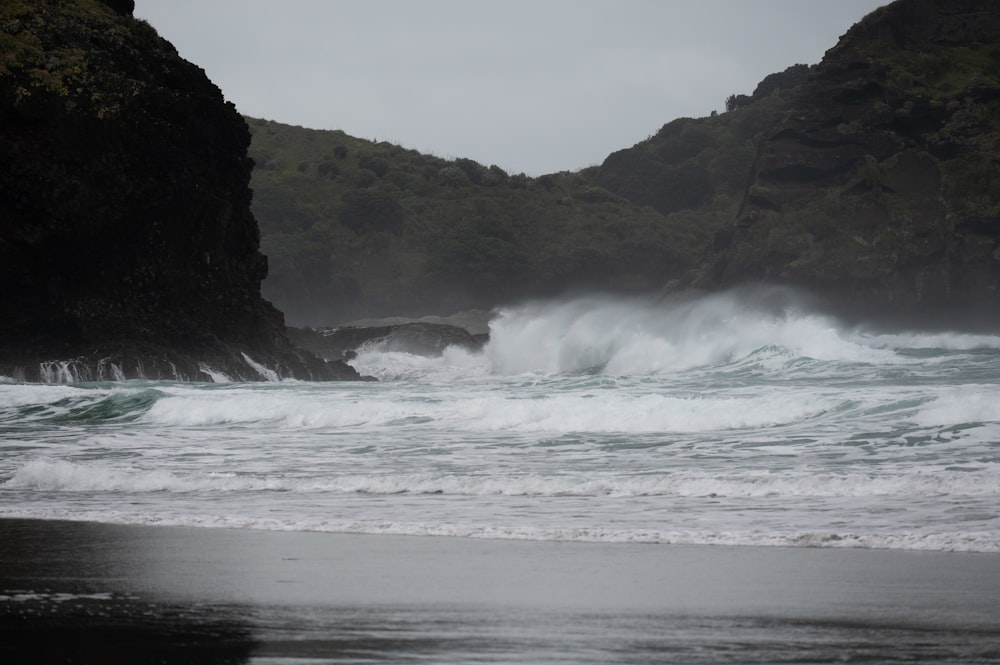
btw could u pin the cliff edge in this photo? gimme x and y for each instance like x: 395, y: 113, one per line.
x: 127, y: 246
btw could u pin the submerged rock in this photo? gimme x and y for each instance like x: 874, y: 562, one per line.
x: 126, y: 238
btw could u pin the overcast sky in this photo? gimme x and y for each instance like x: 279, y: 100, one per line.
x: 530, y: 85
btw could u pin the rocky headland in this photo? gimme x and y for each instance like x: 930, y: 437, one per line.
x: 876, y: 181
x: 414, y: 337
x: 127, y: 245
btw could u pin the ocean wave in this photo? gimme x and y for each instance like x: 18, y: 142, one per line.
x: 494, y: 411
x: 973, y: 541
x: 62, y: 475
x: 648, y: 336
x: 641, y: 336
x: 974, y: 404
x: 32, y: 394
x: 73, y: 403
x: 454, y: 364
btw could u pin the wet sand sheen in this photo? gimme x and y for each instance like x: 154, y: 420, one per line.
x: 216, y: 595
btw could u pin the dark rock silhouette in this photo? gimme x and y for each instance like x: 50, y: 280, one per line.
x: 127, y: 245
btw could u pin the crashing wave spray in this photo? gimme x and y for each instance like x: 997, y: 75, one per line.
x: 638, y: 336
x: 641, y: 336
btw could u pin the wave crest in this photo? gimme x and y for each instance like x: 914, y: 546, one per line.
x: 636, y: 336
x: 62, y: 475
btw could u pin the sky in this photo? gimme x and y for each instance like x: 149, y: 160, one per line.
x: 533, y: 86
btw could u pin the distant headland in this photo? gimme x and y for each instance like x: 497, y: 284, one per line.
x: 872, y: 179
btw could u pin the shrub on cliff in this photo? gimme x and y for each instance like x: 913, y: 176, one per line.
x: 369, y: 210
x: 425, y: 237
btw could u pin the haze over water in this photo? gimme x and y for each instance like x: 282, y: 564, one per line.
x: 723, y: 420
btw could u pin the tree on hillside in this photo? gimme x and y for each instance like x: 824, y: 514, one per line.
x: 367, y: 210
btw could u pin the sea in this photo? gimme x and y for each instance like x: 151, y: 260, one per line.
x: 722, y: 420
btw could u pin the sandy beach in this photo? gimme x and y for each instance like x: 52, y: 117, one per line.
x: 88, y: 592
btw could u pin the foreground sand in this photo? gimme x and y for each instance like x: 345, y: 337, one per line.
x: 85, y: 592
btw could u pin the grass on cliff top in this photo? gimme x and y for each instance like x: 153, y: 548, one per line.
x: 940, y: 72
x: 56, y: 49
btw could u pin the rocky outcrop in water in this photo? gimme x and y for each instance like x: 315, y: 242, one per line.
x: 418, y: 338
x: 127, y: 246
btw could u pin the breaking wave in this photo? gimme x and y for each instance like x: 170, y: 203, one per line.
x: 746, y: 418
x: 635, y: 336
x: 65, y: 476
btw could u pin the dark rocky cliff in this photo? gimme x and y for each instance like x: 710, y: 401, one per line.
x: 126, y: 238
x: 878, y: 181
x: 872, y: 178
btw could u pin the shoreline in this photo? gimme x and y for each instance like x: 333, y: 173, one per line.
x: 268, y: 592
x: 257, y: 565
x: 938, y: 543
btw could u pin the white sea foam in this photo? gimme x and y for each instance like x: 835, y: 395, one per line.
x: 215, y: 375
x: 621, y: 336
x: 244, y: 407
x: 637, y: 414
x: 454, y: 363
x: 66, y: 476
x: 592, y: 412
x: 735, y: 419
x: 961, y: 541
x: 60, y: 475
x: 964, y: 405
x: 644, y: 336
x: 267, y: 373
x: 13, y: 395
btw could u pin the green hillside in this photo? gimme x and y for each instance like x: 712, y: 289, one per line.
x: 354, y: 228
x: 871, y: 178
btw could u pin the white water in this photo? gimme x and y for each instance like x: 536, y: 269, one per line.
x: 729, y: 419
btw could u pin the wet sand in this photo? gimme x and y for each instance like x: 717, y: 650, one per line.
x: 86, y: 592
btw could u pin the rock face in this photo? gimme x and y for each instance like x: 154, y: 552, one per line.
x: 872, y: 178
x: 877, y: 183
x: 126, y: 239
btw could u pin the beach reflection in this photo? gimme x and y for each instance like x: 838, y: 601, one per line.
x: 91, y: 593
x: 68, y: 595
x: 114, y: 631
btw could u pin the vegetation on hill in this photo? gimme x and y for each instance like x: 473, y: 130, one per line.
x: 879, y: 183
x: 872, y: 178
x: 356, y: 228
